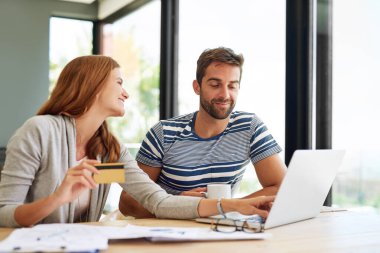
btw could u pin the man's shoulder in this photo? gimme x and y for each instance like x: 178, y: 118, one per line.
x: 238, y: 116
x: 173, y: 126
x: 178, y: 120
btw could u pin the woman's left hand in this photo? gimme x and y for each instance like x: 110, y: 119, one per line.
x: 259, y: 205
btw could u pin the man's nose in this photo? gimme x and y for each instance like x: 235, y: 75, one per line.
x: 224, y: 93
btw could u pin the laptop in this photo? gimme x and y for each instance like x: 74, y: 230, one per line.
x: 302, y: 192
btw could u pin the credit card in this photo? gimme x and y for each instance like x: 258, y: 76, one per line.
x: 109, y: 173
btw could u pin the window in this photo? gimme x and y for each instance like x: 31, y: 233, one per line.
x: 356, y: 62
x: 257, y: 30
x: 69, y: 38
x: 134, y: 42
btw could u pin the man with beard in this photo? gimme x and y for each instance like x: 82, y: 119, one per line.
x: 186, y: 153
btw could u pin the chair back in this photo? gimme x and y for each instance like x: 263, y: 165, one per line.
x: 2, y: 159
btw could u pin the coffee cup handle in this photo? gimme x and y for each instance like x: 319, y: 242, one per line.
x: 204, y: 194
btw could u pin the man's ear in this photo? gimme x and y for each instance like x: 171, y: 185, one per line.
x: 196, y: 87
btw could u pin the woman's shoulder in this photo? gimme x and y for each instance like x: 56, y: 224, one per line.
x: 43, y: 126
x: 44, y: 122
x: 34, y: 130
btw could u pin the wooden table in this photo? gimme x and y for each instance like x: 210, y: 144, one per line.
x: 347, y: 231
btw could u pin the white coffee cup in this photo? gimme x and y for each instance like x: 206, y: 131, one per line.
x: 216, y: 191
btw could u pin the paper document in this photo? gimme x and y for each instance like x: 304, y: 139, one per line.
x: 55, y: 237
x: 78, y: 237
x: 192, y: 234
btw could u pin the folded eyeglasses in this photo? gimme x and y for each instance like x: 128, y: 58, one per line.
x: 230, y: 226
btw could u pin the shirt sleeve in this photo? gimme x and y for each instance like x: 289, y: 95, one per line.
x: 262, y: 143
x: 152, y: 196
x: 22, y: 162
x: 151, y: 151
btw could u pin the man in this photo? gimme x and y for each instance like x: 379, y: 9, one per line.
x: 213, y: 145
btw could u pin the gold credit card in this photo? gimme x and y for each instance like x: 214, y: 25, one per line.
x: 109, y: 173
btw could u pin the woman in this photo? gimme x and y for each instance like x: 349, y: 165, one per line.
x: 47, y: 175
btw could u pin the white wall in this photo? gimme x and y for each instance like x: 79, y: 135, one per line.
x: 24, y: 56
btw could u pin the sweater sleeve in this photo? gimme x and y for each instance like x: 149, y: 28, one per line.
x: 152, y: 196
x: 22, y: 162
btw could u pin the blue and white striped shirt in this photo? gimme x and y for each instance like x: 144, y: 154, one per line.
x: 188, y: 161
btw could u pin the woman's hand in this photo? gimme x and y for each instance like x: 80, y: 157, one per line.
x: 258, y: 205
x: 76, y: 180
x: 196, y: 192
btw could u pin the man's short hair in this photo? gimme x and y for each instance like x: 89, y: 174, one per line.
x: 219, y: 54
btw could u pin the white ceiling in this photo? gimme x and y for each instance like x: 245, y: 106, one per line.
x: 106, y: 7
x: 81, y: 1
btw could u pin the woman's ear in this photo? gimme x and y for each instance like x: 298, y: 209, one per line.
x: 196, y: 87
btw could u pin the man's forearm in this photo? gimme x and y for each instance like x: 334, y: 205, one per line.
x: 266, y: 191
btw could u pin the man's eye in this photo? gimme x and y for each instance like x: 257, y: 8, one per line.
x: 234, y: 86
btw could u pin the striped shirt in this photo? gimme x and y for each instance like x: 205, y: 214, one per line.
x: 189, y: 161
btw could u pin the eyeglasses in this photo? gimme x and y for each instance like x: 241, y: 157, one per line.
x: 230, y: 226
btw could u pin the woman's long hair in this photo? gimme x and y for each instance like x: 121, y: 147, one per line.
x: 75, y: 92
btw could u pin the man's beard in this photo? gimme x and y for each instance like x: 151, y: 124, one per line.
x: 211, y: 109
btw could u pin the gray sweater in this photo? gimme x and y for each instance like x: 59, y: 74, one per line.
x: 38, y: 156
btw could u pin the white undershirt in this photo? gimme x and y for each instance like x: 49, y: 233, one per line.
x: 82, y: 202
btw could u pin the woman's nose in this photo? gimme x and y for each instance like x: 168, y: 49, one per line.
x: 125, y: 93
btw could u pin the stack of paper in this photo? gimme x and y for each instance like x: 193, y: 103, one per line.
x: 78, y: 237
